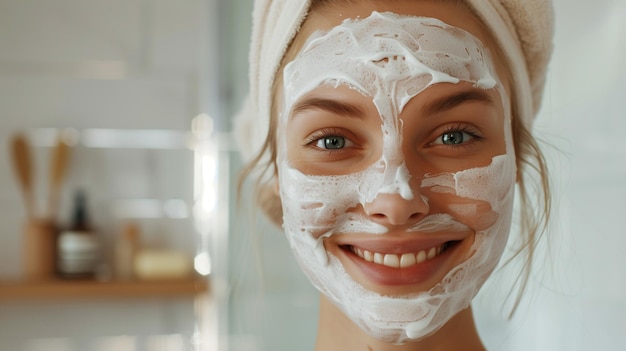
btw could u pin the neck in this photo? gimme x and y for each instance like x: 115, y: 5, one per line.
x: 336, y: 332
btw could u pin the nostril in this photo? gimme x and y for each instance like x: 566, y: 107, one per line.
x: 378, y: 216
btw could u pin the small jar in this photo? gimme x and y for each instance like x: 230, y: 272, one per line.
x: 78, y: 254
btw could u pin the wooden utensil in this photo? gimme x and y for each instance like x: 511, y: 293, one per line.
x: 22, y: 164
x: 58, y: 169
x: 39, y: 233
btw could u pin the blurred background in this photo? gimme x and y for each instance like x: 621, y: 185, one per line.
x: 131, y: 102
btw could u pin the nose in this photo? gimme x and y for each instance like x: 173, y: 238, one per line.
x: 394, y: 210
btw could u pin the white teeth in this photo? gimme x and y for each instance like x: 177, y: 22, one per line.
x: 399, y: 261
x: 391, y: 261
x: 378, y: 258
x: 421, y: 256
x: 407, y: 259
x: 431, y: 253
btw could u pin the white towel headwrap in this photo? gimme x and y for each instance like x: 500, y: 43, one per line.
x: 522, y: 28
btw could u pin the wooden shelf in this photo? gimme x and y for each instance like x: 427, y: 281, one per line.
x: 60, y: 289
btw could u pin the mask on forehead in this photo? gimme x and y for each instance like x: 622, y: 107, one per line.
x: 391, y: 59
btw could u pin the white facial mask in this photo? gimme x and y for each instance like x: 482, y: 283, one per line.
x: 391, y: 59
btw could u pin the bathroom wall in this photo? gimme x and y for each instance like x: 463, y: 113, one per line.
x: 139, y: 70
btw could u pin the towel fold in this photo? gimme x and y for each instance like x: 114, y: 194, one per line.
x: 522, y: 28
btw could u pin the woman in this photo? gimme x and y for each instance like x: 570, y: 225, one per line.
x: 396, y: 133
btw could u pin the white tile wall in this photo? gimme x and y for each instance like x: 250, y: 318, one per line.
x: 121, y: 64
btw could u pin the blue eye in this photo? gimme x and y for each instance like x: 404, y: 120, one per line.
x: 455, y: 137
x: 458, y: 135
x: 331, y: 142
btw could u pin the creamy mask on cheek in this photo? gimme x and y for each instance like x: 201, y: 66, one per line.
x: 391, y: 59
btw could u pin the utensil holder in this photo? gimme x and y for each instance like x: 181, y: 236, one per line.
x: 39, y: 249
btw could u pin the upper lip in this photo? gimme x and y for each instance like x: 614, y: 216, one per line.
x: 398, y: 244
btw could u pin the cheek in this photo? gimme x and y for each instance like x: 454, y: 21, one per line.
x: 476, y: 214
x: 314, y: 202
x: 323, y: 205
x: 479, y: 196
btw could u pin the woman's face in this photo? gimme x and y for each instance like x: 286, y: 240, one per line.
x: 395, y: 163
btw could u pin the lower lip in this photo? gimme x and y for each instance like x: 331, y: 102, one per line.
x: 389, y: 276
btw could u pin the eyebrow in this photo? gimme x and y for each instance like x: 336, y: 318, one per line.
x: 449, y: 102
x: 340, y: 108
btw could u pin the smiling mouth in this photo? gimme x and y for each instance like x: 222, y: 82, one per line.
x: 404, y: 260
